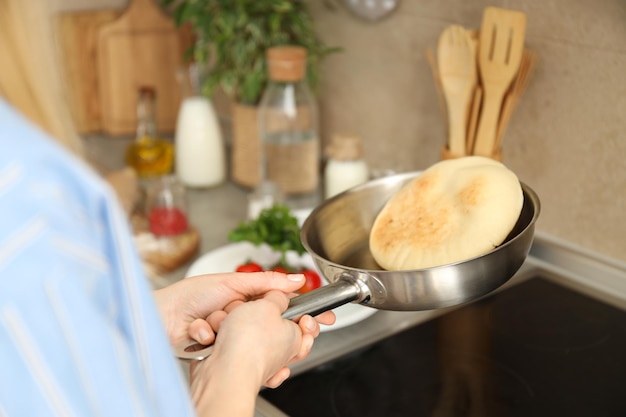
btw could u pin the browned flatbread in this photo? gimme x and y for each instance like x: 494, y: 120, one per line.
x: 455, y: 210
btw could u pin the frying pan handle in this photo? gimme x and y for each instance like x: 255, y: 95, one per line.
x: 344, y: 290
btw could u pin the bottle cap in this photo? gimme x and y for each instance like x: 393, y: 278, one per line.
x: 286, y: 63
x: 147, y: 91
x: 345, y: 148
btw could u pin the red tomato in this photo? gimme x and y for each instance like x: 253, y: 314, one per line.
x: 166, y: 221
x: 313, y: 281
x: 282, y: 269
x: 249, y: 267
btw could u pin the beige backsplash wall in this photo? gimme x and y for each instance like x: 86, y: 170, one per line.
x: 567, y: 139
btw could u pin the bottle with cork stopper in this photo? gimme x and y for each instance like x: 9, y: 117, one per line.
x: 290, y: 151
x: 345, y: 167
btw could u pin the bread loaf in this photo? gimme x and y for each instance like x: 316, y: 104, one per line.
x: 455, y: 210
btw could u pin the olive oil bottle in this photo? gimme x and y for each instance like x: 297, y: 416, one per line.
x: 150, y: 155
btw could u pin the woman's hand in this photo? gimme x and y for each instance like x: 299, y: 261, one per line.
x: 190, y: 306
x: 253, y: 347
x: 309, y: 327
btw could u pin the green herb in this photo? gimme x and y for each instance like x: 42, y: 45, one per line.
x: 233, y: 35
x: 276, y: 227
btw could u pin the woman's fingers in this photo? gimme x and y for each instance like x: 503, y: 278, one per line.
x: 278, y: 378
x: 328, y: 318
x: 280, y: 299
x: 305, y: 346
x: 309, y: 325
x: 215, y: 319
x: 254, y: 284
x: 199, y: 295
x: 232, y: 305
x: 201, y: 331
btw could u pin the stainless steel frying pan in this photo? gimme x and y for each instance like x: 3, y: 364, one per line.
x: 336, y: 235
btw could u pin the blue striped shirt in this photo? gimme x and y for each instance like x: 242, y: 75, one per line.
x: 80, y: 334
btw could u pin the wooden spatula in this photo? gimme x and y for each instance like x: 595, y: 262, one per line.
x: 514, y: 94
x: 456, y: 59
x: 501, y: 45
x: 430, y: 57
x: 473, y: 119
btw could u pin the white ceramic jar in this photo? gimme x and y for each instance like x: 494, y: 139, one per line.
x: 345, y: 167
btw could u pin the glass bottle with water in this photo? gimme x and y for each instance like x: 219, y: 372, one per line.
x: 290, y: 151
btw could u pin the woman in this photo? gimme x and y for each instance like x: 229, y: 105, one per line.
x: 80, y: 332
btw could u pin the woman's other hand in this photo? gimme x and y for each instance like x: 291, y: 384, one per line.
x: 190, y: 306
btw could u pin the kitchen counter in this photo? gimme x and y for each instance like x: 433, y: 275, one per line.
x: 215, y: 211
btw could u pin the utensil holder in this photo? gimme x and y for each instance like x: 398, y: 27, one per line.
x: 446, y: 154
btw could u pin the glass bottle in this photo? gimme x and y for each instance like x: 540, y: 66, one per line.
x: 290, y: 151
x: 345, y: 167
x: 264, y: 195
x: 200, y: 154
x: 149, y: 155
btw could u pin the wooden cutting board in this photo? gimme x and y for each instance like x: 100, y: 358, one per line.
x: 141, y: 48
x: 78, y: 38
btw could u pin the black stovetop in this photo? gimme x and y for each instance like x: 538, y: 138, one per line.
x: 534, y: 349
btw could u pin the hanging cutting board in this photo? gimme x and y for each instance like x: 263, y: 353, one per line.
x: 78, y: 38
x: 141, y: 48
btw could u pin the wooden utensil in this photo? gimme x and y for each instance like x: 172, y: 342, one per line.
x: 78, y: 38
x: 141, y: 48
x: 430, y: 57
x: 473, y: 118
x: 501, y: 46
x: 514, y: 94
x: 456, y: 59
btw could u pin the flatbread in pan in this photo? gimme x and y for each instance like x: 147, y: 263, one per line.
x: 455, y: 210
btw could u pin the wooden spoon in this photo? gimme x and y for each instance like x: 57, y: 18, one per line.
x: 456, y: 58
x: 501, y: 46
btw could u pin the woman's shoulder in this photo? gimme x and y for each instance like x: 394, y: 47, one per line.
x: 39, y: 178
x: 53, y: 206
x: 39, y: 158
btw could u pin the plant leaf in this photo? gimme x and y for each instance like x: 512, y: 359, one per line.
x: 240, y: 32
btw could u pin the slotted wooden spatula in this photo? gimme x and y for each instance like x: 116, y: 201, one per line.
x: 501, y: 45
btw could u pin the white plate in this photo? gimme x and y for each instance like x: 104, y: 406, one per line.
x: 227, y: 258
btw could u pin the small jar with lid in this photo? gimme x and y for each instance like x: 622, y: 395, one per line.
x: 290, y: 154
x: 345, y: 167
x: 166, y: 206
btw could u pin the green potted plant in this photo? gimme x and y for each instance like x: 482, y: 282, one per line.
x: 232, y: 37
